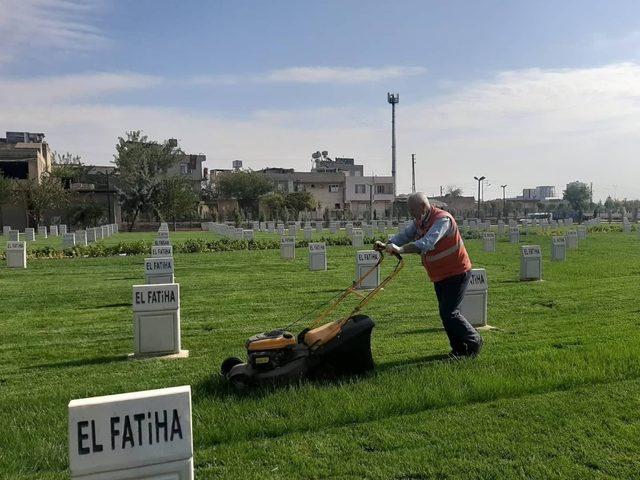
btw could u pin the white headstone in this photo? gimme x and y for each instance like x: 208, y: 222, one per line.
x: 558, y: 248
x: 366, y: 260
x: 333, y: 228
x: 308, y: 233
x: 572, y: 239
x: 317, y: 256
x: 319, y: 227
x: 162, y: 242
x: 288, y: 248
x: 247, y: 234
x: 158, y: 270
x: 530, y: 262
x: 164, y: 227
x: 29, y: 234
x: 81, y: 238
x: 162, y: 251
x: 582, y: 232
x: 626, y: 227
x: 5, y: 230
x: 136, y: 435
x: 271, y: 227
x: 68, y: 240
x: 16, y: 254
x: 14, y: 235
x: 62, y: 229
x: 163, y: 234
x: 156, y: 318
x: 357, y: 239
x: 53, y: 231
x: 91, y: 235
x: 514, y: 234
x: 474, y: 303
x: 281, y: 230
x: 292, y: 230
x: 489, y: 241
x: 98, y: 233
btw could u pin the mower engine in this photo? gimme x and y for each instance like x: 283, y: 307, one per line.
x: 269, y: 350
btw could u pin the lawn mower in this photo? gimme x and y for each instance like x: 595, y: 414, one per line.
x: 325, y: 349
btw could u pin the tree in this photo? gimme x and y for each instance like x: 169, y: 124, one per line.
x: 578, y: 195
x: 245, y: 186
x: 299, y: 201
x: 453, y: 191
x: 5, y: 194
x: 175, y: 199
x: 86, y: 213
x: 37, y: 197
x: 142, y: 165
x: 69, y: 169
x: 275, y: 203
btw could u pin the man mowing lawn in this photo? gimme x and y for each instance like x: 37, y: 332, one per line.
x: 435, y: 236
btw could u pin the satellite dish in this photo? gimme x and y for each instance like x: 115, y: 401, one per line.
x: 315, y: 155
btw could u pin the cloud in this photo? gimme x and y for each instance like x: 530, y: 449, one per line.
x: 71, y: 88
x: 314, y: 75
x: 27, y: 27
x: 522, y: 128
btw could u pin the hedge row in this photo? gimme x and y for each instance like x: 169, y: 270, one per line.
x: 191, y: 245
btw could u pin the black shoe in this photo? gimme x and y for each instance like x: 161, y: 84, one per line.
x: 474, y: 347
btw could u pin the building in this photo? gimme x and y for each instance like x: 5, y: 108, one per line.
x: 365, y: 195
x: 542, y: 192
x: 346, y: 165
x: 24, y: 155
x: 190, y: 166
x: 327, y: 188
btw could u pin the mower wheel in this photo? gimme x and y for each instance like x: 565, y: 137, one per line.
x: 228, y: 364
x: 240, y: 380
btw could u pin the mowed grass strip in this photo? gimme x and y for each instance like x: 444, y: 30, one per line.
x: 571, y: 340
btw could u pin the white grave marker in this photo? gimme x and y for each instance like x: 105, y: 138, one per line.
x: 62, y: 229
x: 16, y: 254
x: 308, y: 233
x: 91, y: 235
x: 30, y: 234
x: 357, y: 240
x: 136, y: 435
x: 161, y: 251
x: 162, y: 242
x: 5, y: 230
x: 530, y: 262
x: 489, y: 241
x: 319, y: 227
x: 53, y: 231
x: 365, y: 261
x: 572, y: 239
x: 582, y: 232
x: 158, y: 270
x: 14, y: 235
x: 317, y: 256
x: 558, y: 248
x: 68, y: 240
x: 514, y: 235
x: 156, y: 320
x: 292, y: 230
x: 81, y: 238
x: 474, y: 303
x: 288, y: 248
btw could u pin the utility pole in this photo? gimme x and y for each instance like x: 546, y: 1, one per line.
x: 393, y: 98
x: 504, y: 201
x: 479, y: 180
x: 413, y: 173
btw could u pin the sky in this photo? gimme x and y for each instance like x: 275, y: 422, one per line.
x: 525, y: 93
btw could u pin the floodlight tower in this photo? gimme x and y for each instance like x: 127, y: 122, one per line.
x: 479, y: 180
x: 413, y: 174
x: 393, y: 98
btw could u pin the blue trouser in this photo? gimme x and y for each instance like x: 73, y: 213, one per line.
x: 464, y: 339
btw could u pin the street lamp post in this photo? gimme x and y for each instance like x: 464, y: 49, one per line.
x: 479, y: 180
x: 504, y: 202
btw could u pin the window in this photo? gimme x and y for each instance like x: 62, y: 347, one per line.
x: 379, y: 188
x: 361, y: 188
x: 333, y: 188
x: 337, y: 206
x: 184, y: 168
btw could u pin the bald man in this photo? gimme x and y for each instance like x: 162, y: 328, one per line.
x: 435, y: 236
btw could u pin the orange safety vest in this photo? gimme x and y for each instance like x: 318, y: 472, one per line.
x: 448, y: 257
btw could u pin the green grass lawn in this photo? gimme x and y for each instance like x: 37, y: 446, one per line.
x: 555, y: 393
